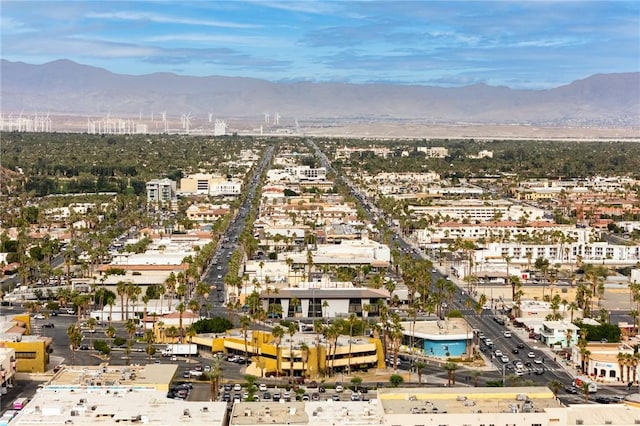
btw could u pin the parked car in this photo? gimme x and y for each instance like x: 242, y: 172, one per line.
x: 262, y: 387
x: 515, y: 351
x: 571, y: 389
x: 38, y: 316
x: 339, y: 387
x: 531, y: 355
x: 48, y: 325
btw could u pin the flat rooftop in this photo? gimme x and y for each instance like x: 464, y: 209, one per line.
x: 150, y: 376
x: 110, y: 407
x: 452, y: 328
x: 463, y: 400
x: 311, y: 412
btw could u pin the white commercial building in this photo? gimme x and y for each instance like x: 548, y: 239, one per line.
x: 161, y: 191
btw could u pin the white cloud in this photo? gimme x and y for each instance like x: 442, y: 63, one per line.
x: 13, y: 26
x: 164, y: 19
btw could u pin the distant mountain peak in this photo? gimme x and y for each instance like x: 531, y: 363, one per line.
x: 64, y: 86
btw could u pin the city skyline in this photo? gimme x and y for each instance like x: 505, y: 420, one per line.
x: 525, y: 45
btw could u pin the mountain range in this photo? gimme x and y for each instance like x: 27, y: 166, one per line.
x: 66, y: 87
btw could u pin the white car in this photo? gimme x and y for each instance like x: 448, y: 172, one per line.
x: 262, y: 387
x: 339, y: 388
x: 504, y: 359
x: 38, y: 316
x: 538, y: 360
x: 498, y: 353
x: 237, y: 387
x: 506, y: 333
x: 531, y: 355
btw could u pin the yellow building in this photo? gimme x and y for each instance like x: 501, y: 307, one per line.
x: 307, y: 354
x: 31, y: 352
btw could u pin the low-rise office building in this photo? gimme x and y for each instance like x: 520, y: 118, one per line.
x: 305, y: 353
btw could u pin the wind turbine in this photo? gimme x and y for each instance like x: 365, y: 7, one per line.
x: 187, y: 120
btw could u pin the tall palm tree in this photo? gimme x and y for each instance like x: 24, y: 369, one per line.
x: 121, y: 290
x: 149, y: 339
x: 352, y: 320
x: 170, y: 286
x: 245, y: 323
x: 304, y: 353
x: 621, y: 357
x: 292, y: 329
x: 130, y: 328
x: 278, y: 334
x: 75, y: 338
x: 181, y: 308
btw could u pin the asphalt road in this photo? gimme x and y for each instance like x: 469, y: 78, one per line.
x: 214, y: 276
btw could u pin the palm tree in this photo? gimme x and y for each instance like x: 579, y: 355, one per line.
x: 181, y: 308
x: 475, y: 374
x: 245, y: 323
x: 121, y: 290
x: 318, y: 328
x: 91, y: 325
x: 352, y: 320
x: 278, y: 334
x: 585, y: 388
x: 292, y: 331
x: 149, y: 339
x: 75, y: 338
x: 130, y: 328
x: 304, y: 353
x: 215, y: 375
x: 294, y: 302
x: 419, y: 366
x: 621, y: 357
x: 555, y: 386
x: 451, y: 368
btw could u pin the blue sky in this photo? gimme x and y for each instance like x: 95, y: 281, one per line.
x: 517, y: 44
